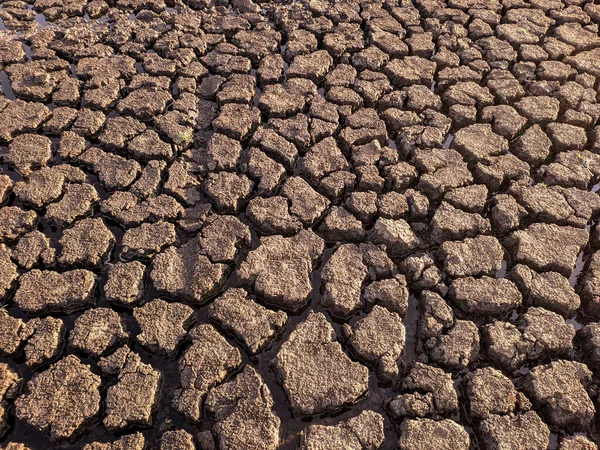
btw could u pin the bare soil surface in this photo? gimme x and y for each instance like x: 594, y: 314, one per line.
x: 299, y: 224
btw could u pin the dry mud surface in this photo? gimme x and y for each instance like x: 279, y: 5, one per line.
x: 306, y: 224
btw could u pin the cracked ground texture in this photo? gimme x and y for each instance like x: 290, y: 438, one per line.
x: 312, y: 224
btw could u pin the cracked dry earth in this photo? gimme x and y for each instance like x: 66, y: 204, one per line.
x: 314, y: 225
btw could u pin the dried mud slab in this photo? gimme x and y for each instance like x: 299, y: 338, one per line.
x: 362, y: 431
x: 490, y: 392
x: 45, y: 339
x: 186, y: 273
x: 147, y: 239
x: 378, y: 340
x: 10, y: 383
x: 342, y: 278
x: 243, y: 412
x: 97, y: 330
x: 125, y: 283
x: 60, y: 400
x: 46, y: 291
x: 546, y: 247
x: 163, y: 325
x: 279, y: 269
x: 85, y: 244
x: 424, y: 433
x: 9, y: 271
x: 130, y: 442
x: 559, y: 389
x: 15, y: 222
x: 178, y: 439
x: 133, y: 399
x: 485, y: 296
x: 251, y: 323
x: 526, y: 429
x: 328, y: 379
x: 204, y: 364
x: 427, y: 390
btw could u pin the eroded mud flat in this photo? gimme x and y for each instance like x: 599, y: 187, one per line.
x: 363, y: 224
